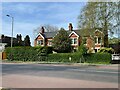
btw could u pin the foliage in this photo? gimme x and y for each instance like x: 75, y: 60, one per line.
x: 100, y: 15
x: 21, y: 53
x: 28, y: 53
x: 114, y: 41
x: 27, y: 41
x: 64, y: 57
x: 99, y: 58
x: 40, y: 54
x: 61, y: 42
x: 82, y: 49
x: 108, y: 50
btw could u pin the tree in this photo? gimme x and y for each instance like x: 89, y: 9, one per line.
x: 48, y: 28
x: 27, y: 41
x: 61, y: 42
x: 90, y: 44
x: 103, y: 15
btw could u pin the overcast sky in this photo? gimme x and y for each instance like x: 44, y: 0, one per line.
x: 30, y: 15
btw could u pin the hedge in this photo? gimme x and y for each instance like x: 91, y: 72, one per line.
x: 64, y: 57
x: 21, y: 53
x: 42, y: 54
x: 100, y: 58
x: 28, y: 53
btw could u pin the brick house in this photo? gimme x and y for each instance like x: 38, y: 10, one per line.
x: 45, y: 38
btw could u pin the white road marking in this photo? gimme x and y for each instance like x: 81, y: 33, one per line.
x: 93, y: 71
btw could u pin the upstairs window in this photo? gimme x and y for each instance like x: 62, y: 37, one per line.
x: 95, y: 39
x: 99, y: 40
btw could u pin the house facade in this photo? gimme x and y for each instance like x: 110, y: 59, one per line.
x: 45, y: 38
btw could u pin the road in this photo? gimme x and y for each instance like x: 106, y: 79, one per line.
x: 58, y: 76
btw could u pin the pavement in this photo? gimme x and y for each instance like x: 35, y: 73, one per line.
x: 33, y: 75
x: 25, y: 81
x: 16, y: 80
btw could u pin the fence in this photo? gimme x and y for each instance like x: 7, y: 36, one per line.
x: 2, y: 55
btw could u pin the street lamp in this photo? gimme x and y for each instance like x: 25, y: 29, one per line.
x: 12, y: 29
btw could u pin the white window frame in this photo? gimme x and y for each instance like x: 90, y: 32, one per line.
x: 73, y: 41
x: 40, y: 42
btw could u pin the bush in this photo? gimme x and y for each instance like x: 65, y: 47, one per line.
x: 107, y: 50
x: 82, y: 49
x: 41, y: 54
x: 64, y: 57
x: 48, y: 49
x: 27, y: 53
x: 99, y: 58
x: 21, y: 53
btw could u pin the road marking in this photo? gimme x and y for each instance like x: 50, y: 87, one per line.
x: 94, y: 71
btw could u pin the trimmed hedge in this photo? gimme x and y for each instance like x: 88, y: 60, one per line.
x: 21, y: 53
x: 28, y: 53
x: 99, y: 58
x: 42, y: 54
x: 64, y: 57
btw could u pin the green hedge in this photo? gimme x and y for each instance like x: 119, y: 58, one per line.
x: 64, y: 57
x: 42, y: 54
x: 100, y: 58
x: 21, y: 53
x: 28, y: 53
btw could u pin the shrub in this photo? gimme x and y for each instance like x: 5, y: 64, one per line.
x: 22, y: 53
x: 107, y: 50
x: 82, y: 49
x: 64, y: 57
x: 61, y: 42
x: 99, y: 58
x: 28, y: 53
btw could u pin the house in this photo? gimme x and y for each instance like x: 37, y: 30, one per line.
x: 45, y: 38
x: 76, y: 36
x: 16, y: 41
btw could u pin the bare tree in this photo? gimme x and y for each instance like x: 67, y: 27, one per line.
x: 47, y: 27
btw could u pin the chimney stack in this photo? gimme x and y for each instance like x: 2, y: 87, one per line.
x: 42, y: 29
x: 70, y: 27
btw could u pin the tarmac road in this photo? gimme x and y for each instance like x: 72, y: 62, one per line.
x: 58, y: 76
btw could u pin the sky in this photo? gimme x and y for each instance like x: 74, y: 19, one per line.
x: 28, y: 16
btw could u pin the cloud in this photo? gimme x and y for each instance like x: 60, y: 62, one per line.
x: 30, y: 15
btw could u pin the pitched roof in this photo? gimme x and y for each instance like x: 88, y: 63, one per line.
x: 49, y: 34
x: 79, y: 32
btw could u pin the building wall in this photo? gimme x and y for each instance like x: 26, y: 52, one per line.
x: 38, y: 38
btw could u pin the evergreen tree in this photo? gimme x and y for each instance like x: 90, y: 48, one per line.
x: 61, y: 42
x: 27, y: 41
